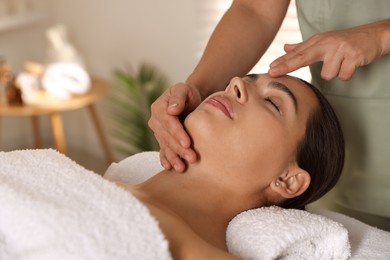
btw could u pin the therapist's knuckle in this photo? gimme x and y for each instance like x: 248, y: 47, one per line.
x: 316, y: 38
x: 154, y: 107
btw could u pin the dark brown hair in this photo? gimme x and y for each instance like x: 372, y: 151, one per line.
x: 321, y: 152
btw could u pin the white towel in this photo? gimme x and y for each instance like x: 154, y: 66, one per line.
x: 64, y: 79
x: 52, y: 208
x: 277, y: 233
x: 367, y: 242
x: 135, y: 169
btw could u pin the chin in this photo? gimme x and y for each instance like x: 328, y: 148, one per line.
x: 193, y: 130
x: 200, y: 131
x: 196, y: 126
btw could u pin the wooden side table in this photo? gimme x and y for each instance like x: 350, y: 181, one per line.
x: 53, y: 110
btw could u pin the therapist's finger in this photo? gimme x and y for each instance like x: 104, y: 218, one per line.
x: 335, y: 64
x: 174, y: 140
x: 164, y: 161
x: 165, y: 126
x: 294, y: 60
x: 183, y: 99
x: 176, y: 162
x: 178, y: 94
x: 288, y: 47
x: 347, y: 69
x: 170, y: 158
x: 168, y: 142
x: 331, y: 66
x: 291, y: 49
x: 172, y: 136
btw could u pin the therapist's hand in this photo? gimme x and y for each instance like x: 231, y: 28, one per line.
x: 178, y: 100
x: 340, y: 51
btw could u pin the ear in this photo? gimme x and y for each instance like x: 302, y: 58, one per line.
x: 292, y: 183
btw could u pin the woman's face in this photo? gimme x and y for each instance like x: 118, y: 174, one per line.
x: 252, y: 129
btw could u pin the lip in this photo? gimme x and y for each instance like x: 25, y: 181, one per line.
x: 222, y: 103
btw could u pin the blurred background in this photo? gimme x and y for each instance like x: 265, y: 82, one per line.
x: 112, y: 35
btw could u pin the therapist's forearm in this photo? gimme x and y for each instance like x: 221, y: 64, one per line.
x: 239, y: 40
x: 384, y: 30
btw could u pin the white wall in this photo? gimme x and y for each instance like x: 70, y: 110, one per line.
x: 108, y: 34
x: 119, y: 32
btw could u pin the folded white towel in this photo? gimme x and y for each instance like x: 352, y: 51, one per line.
x: 277, y: 233
x: 52, y: 208
x: 367, y: 242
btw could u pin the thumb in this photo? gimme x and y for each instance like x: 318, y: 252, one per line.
x: 180, y: 99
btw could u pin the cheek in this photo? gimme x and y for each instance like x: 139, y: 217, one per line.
x: 247, y: 156
x: 203, y: 128
x: 258, y: 146
x: 240, y: 146
x: 251, y: 147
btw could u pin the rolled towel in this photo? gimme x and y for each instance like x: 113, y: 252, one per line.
x: 277, y: 233
x: 63, y: 79
x: 367, y: 242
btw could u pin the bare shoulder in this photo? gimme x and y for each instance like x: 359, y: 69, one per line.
x: 184, y: 243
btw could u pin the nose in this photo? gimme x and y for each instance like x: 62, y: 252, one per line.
x: 238, y: 89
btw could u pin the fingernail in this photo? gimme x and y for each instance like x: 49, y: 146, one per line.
x: 173, y: 105
x: 182, y: 143
x: 273, y: 69
x: 187, y: 157
x: 176, y: 167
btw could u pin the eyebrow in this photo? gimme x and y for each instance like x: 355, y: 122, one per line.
x: 285, y: 89
x: 252, y: 76
x: 276, y: 85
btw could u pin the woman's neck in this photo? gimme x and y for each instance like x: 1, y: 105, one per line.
x: 205, y: 205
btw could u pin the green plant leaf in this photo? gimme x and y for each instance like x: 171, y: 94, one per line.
x: 130, y: 102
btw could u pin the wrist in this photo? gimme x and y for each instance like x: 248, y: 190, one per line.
x: 384, y: 31
x: 202, y: 91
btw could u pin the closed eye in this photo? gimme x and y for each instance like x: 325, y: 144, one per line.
x: 273, y: 104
